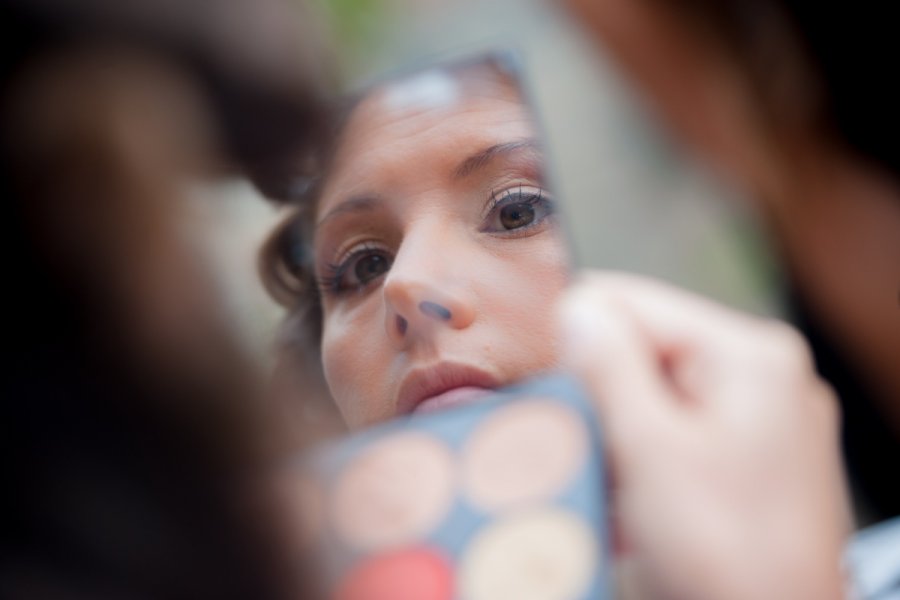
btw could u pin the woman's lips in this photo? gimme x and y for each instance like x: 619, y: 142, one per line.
x: 442, y: 385
x: 456, y: 397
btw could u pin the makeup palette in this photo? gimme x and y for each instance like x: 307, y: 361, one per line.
x: 502, y: 499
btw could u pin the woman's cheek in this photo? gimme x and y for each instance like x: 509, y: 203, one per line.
x: 353, y: 373
x: 525, y: 301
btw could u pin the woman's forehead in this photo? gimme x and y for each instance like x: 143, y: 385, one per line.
x: 406, y: 106
x: 433, y: 121
x: 420, y: 151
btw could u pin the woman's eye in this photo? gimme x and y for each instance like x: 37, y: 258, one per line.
x: 355, y: 272
x: 518, y: 209
x: 514, y: 216
x: 369, y: 267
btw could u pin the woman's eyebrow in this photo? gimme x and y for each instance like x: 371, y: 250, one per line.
x: 480, y: 159
x: 353, y: 205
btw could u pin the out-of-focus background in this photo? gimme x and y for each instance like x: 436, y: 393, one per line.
x: 133, y: 428
x: 642, y: 205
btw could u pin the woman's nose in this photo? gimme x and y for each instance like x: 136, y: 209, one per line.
x: 420, y: 300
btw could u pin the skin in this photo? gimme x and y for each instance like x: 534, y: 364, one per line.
x: 397, y: 196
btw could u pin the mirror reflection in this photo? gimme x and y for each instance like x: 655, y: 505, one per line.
x: 426, y: 253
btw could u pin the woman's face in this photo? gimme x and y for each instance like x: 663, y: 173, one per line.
x: 437, y: 251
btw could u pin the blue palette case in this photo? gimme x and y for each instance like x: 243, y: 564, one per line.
x: 503, y: 498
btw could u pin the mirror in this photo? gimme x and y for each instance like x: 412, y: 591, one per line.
x: 424, y: 251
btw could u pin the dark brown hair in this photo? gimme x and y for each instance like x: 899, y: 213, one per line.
x: 134, y: 439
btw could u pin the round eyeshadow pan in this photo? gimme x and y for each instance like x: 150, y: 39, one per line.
x: 525, y: 452
x: 408, y: 484
x: 539, y: 554
x: 412, y: 574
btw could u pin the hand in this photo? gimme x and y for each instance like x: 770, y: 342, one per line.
x: 722, y: 441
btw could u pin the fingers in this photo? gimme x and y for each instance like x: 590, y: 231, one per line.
x: 672, y: 318
x: 618, y: 365
x: 720, y: 435
x: 700, y: 351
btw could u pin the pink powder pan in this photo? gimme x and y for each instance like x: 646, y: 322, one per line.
x: 500, y: 499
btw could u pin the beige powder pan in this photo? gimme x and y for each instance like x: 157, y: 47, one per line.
x: 524, y: 452
x: 539, y: 554
x: 395, y: 492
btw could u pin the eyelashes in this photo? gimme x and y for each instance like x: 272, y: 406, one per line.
x: 516, y: 211
x: 513, y: 212
x: 355, y: 271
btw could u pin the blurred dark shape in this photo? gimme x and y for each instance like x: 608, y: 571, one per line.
x: 824, y: 69
x: 847, y: 51
x: 871, y: 447
x: 852, y: 51
x: 258, y: 67
x: 135, y: 446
